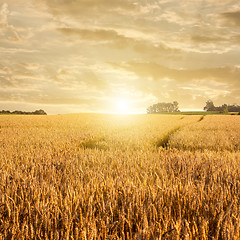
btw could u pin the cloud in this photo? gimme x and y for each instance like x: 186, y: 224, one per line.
x: 156, y: 71
x: 207, y: 39
x: 85, y: 79
x: 7, y: 31
x: 5, y: 82
x: 90, y: 8
x: 93, y: 81
x: 3, y: 14
x: 61, y: 100
x: 17, y: 50
x: 20, y: 77
x: 94, y: 35
x: 232, y: 18
x: 113, y: 39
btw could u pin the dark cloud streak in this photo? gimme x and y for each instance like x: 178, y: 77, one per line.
x: 233, y: 18
x: 118, y: 41
x: 229, y: 75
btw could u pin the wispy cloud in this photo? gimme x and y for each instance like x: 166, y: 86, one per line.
x: 7, y: 31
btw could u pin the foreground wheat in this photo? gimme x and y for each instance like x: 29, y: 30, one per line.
x: 111, y: 177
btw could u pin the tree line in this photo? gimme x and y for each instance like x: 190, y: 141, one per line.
x: 223, y: 109
x: 37, y: 112
x: 164, y: 107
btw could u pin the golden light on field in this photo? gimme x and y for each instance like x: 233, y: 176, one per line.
x: 102, y: 176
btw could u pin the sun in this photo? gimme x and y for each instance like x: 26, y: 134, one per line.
x: 122, y: 106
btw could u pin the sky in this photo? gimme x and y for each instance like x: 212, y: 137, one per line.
x: 70, y: 56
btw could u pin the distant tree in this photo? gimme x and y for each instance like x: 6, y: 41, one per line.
x: 37, y: 112
x: 163, y: 107
x: 175, y: 106
x: 234, y: 108
x: 5, y: 112
x: 223, y: 109
x: 17, y: 112
x: 209, y: 106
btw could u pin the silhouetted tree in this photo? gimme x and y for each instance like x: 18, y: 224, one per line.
x: 175, y: 106
x: 234, y: 108
x: 223, y: 109
x: 209, y: 106
x: 37, y: 112
x: 163, y: 107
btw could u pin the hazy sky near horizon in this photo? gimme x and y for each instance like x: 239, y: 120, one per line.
x: 90, y: 55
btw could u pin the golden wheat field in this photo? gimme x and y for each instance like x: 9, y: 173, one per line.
x: 96, y: 176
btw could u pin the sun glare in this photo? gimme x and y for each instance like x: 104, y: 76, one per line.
x: 122, y: 106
